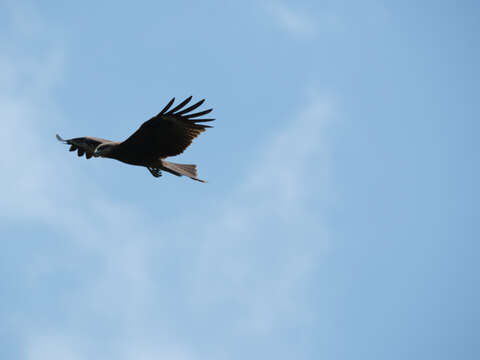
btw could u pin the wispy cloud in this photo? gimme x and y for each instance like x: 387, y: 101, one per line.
x: 257, y: 251
x: 291, y: 19
x: 38, y: 187
x: 266, y: 244
x: 300, y: 22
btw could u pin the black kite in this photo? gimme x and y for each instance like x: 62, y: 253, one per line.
x: 167, y: 134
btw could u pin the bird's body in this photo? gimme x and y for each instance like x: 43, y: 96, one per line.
x: 167, y: 134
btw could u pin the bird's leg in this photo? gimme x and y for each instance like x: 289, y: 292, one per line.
x: 155, y: 171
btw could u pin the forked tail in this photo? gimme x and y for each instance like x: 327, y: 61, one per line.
x: 181, y: 169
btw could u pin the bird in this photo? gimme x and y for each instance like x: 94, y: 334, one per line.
x: 166, y: 134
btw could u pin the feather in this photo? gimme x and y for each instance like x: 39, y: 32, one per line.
x: 179, y: 106
x: 59, y: 138
x: 193, y: 107
x: 189, y: 116
x: 167, y: 106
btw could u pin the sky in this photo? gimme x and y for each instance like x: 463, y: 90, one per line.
x: 340, y: 218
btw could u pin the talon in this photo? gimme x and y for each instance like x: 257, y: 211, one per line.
x: 155, y: 172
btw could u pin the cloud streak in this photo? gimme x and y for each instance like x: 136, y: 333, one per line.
x: 292, y: 20
x: 266, y: 244
x: 253, y: 256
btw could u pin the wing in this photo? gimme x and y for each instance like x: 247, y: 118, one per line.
x: 85, y: 145
x: 170, y: 132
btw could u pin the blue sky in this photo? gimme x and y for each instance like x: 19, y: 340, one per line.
x: 340, y: 220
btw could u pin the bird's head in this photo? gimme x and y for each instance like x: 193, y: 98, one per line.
x: 103, y: 150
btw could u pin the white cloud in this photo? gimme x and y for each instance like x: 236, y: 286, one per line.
x: 47, y: 347
x: 294, y: 21
x: 265, y: 244
x: 256, y: 256
x: 38, y: 186
x: 71, y: 347
x: 300, y: 22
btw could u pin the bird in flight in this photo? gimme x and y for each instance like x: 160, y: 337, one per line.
x: 167, y: 134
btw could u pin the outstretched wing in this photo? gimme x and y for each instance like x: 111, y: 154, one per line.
x: 84, y: 145
x: 170, y: 132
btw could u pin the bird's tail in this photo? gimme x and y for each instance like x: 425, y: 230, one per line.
x: 181, y: 169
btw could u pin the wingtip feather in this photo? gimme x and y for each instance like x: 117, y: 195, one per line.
x: 59, y: 138
x: 191, y: 108
x: 200, y: 113
x: 167, y: 106
x: 179, y: 106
